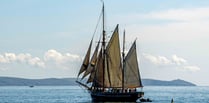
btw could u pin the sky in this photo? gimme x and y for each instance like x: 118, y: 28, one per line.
x: 49, y: 38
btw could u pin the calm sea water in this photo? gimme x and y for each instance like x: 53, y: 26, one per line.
x: 75, y: 94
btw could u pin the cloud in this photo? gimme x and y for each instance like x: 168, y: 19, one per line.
x: 53, y: 55
x: 191, y: 68
x: 36, y: 62
x: 178, y: 60
x: 51, y: 59
x: 10, y: 57
x: 61, y: 60
x: 175, y: 61
x: 158, y: 60
x: 3, y: 59
x: 22, y: 58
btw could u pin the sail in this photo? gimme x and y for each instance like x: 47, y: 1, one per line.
x: 91, y: 77
x: 93, y: 71
x: 114, y: 60
x: 132, y: 77
x: 86, y: 60
x: 92, y: 62
x: 97, y: 73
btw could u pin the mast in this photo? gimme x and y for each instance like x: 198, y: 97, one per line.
x: 103, y: 44
x: 123, y: 54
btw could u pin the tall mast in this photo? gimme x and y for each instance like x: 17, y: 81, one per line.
x: 123, y: 54
x: 103, y: 44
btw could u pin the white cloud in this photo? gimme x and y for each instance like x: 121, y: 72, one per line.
x: 51, y: 59
x: 21, y: 58
x: 10, y: 57
x: 61, y: 60
x: 175, y: 61
x: 36, y: 62
x: 159, y: 60
x: 53, y: 55
x: 178, y: 60
x: 3, y: 59
x: 191, y: 68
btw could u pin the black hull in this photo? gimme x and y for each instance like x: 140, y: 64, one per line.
x: 116, y: 97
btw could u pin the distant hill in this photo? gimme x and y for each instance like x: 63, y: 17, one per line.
x: 11, y: 81
x: 177, y: 82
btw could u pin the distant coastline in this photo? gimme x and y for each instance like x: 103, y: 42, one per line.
x: 12, y: 81
x: 177, y: 82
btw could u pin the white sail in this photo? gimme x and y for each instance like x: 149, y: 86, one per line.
x: 113, y: 57
x: 86, y: 60
x: 132, y: 77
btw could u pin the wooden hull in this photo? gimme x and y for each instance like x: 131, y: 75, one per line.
x: 116, y: 97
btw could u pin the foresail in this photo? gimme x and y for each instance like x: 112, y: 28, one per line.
x: 91, y: 77
x: 97, y: 74
x: 92, y: 62
x: 113, y: 57
x: 93, y: 71
x: 86, y: 60
x: 132, y: 77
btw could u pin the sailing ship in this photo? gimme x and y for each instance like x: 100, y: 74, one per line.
x: 112, y: 75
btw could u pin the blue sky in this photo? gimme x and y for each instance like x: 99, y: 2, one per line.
x: 48, y: 38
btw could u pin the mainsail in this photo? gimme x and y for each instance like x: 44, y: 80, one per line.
x: 114, y: 60
x: 132, y: 77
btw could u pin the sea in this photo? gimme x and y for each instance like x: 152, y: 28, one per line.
x: 77, y: 94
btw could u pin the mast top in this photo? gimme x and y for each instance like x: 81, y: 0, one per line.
x: 102, y: 1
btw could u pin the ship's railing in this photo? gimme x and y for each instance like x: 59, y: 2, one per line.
x: 114, y: 90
